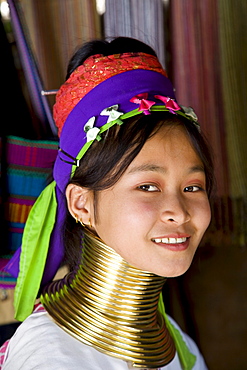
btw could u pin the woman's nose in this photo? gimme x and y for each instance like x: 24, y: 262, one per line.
x: 175, y: 210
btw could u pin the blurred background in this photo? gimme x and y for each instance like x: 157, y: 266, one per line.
x: 203, y: 46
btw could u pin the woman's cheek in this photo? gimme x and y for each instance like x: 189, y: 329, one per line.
x: 147, y: 208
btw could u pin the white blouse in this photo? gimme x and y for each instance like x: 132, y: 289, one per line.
x: 39, y: 344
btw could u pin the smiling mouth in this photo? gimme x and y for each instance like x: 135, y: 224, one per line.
x: 170, y: 240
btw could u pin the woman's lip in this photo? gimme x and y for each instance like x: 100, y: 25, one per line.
x: 173, y: 246
x: 172, y: 236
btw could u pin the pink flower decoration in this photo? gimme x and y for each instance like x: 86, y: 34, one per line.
x: 169, y: 103
x: 145, y: 104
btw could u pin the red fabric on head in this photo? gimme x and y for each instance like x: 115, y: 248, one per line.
x: 95, y: 70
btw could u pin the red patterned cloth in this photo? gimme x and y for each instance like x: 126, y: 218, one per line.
x: 95, y: 70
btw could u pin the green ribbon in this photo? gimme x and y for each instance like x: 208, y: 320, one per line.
x: 187, y: 359
x: 35, y: 244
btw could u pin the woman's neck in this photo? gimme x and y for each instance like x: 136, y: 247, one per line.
x: 112, y: 306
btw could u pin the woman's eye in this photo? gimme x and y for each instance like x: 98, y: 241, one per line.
x: 192, y: 189
x: 148, y: 187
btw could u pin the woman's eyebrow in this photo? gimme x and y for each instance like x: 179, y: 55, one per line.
x: 197, y: 168
x: 147, y: 168
x: 154, y: 168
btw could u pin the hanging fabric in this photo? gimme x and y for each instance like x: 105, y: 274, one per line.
x: 139, y: 19
x: 40, y: 104
x: 209, y: 58
x: 56, y: 29
x: 28, y: 168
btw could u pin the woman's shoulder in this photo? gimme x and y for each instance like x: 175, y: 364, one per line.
x: 39, y: 343
x: 32, y: 343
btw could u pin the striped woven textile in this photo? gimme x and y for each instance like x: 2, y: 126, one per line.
x: 27, y: 166
x: 140, y: 19
x: 209, y: 73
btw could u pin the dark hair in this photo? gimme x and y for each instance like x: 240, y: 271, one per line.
x: 105, y: 162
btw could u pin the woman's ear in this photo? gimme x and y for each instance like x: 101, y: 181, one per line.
x: 80, y: 203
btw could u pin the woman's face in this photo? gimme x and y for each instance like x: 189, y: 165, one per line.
x: 157, y: 213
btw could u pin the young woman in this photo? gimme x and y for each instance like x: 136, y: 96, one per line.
x: 128, y: 207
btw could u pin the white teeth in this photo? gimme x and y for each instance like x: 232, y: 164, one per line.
x: 170, y: 240
x: 157, y: 240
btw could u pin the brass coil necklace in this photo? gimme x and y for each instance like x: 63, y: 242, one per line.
x: 112, y: 306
